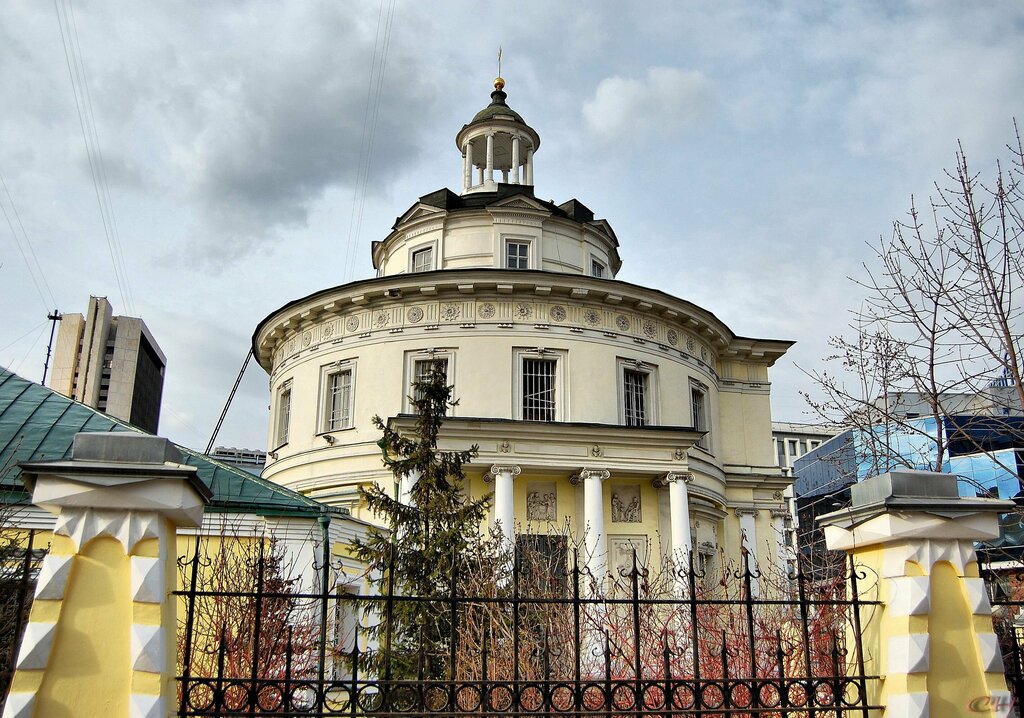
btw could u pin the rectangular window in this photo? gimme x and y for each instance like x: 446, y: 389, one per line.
x: 423, y: 260
x: 794, y: 448
x: 596, y: 269
x: 634, y: 397
x: 338, y: 413
x: 517, y: 255
x: 538, y: 388
x: 699, y: 410
x: 421, y: 373
x: 284, y: 413
x: 417, y: 369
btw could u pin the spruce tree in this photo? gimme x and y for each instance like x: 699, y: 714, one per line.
x: 428, y: 539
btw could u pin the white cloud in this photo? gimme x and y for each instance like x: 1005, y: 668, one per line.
x: 667, y: 100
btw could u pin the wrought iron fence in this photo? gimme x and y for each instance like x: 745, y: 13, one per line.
x: 642, y: 643
x: 20, y: 559
x: 1005, y: 582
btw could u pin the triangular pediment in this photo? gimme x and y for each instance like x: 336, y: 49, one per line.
x: 519, y: 202
x: 418, y: 212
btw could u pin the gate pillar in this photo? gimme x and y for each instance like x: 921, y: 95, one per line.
x: 931, y: 640
x: 100, y: 640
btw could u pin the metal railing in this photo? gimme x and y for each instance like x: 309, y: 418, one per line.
x: 637, y: 644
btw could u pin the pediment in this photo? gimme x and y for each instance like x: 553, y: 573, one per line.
x: 518, y: 202
x: 419, y: 212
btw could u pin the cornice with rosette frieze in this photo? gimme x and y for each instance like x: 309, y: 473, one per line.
x: 386, y: 305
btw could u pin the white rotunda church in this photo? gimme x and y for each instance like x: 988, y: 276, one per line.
x: 623, y: 414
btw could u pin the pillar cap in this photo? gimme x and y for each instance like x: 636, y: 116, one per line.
x: 910, y: 491
x: 901, y: 505
x: 119, y: 471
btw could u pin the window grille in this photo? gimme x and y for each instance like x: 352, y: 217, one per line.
x: 517, y: 255
x: 698, y: 404
x: 421, y: 373
x: 634, y: 396
x: 339, y: 400
x: 284, y: 415
x: 538, y: 384
x: 423, y: 260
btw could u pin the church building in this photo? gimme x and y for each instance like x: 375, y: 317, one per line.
x: 612, y: 412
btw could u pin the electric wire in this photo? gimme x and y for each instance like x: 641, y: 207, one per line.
x: 90, y: 136
x: 31, y: 348
x: 36, y: 327
x: 371, y: 115
x: 35, y: 267
x: 104, y: 184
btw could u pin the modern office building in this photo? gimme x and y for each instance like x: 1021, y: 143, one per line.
x: 632, y: 418
x: 110, y: 363
x: 251, y: 460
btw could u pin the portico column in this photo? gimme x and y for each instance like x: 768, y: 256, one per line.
x: 489, y: 172
x: 593, y: 520
x: 679, y: 515
x: 468, y: 167
x: 515, y: 160
x: 529, y: 166
x: 504, y: 507
x: 748, y: 539
x: 405, y: 487
x: 779, y: 530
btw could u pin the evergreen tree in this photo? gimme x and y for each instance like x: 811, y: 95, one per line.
x: 438, y: 531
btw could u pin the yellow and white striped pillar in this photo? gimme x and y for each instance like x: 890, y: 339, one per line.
x: 931, y: 641
x: 101, y: 634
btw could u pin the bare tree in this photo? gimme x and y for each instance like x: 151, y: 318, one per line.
x: 940, y: 325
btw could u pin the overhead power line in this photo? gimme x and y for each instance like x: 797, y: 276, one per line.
x: 90, y: 135
x: 35, y: 267
x: 371, y: 115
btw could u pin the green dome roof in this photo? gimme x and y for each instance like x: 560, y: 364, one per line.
x: 497, y: 107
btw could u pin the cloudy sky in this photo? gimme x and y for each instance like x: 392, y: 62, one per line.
x: 745, y: 153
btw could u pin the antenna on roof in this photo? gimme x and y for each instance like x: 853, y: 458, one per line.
x: 499, y: 60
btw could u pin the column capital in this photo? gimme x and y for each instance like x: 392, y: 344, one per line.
x: 671, y: 477
x: 510, y: 469
x: 584, y: 474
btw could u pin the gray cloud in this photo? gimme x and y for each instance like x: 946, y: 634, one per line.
x: 666, y: 100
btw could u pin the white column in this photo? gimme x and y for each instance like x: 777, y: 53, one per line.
x: 504, y: 176
x: 529, y: 166
x: 467, y: 166
x: 504, y: 506
x: 748, y: 540
x: 593, y: 521
x: 480, y: 175
x: 515, y: 159
x: 405, y: 487
x: 681, y: 542
x: 779, y: 534
x: 489, y: 172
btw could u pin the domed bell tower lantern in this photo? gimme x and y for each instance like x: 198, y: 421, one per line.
x: 497, y: 147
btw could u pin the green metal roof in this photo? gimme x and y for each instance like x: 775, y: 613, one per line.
x: 38, y: 424
x: 497, y: 107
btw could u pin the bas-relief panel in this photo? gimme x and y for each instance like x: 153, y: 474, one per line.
x: 626, y: 505
x: 621, y: 549
x: 541, y: 501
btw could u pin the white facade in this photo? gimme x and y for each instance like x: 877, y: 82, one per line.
x: 632, y: 418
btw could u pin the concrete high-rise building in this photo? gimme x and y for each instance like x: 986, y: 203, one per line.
x: 110, y: 363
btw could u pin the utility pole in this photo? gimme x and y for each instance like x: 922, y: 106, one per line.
x: 55, y: 317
